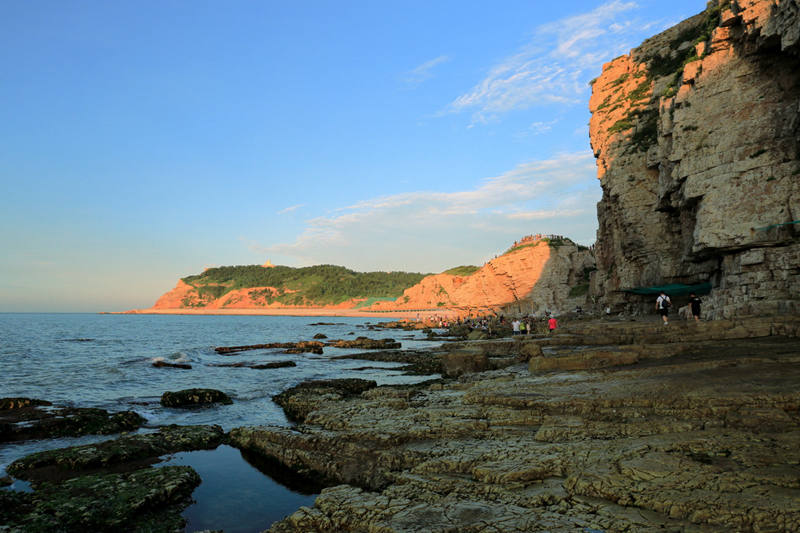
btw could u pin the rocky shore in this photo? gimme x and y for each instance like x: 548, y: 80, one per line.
x: 606, y: 427
x: 603, y: 426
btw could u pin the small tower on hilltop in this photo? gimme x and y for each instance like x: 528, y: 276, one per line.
x: 268, y: 264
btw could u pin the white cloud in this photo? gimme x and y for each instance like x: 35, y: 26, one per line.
x: 424, y: 71
x: 290, y: 209
x: 430, y: 230
x: 554, y: 66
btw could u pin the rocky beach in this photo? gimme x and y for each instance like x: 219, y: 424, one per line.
x: 606, y: 425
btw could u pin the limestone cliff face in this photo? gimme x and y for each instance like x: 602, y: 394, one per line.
x: 697, y: 138
x: 527, y: 279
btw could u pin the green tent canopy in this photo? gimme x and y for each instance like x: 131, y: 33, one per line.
x: 673, y: 289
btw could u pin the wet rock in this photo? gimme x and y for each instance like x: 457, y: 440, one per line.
x: 257, y: 366
x: 290, y: 347
x: 147, y: 500
x: 301, y: 399
x: 165, y: 364
x: 19, y: 403
x: 125, y: 452
x: 418, y: 362
x: 194, y: 397
x: 5, y: 481
x: 25, y: 420
x: 365, y: 343
x: 314, y: 347
x: 320, y: 336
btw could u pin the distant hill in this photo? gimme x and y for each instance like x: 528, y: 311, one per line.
x: 278, y: 286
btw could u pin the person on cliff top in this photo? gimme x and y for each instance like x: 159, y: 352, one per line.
x: 552, y: 324
x: 695, y: 302
x: 662, y: 305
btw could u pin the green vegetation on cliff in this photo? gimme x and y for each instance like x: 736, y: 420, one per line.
x: 320, y: 284
x: 463, y: 270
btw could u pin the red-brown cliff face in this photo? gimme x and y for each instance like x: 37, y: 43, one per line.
x: 529, y: 278
x: 697, y: 139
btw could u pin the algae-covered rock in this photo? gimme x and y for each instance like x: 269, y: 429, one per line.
x: 194, y: 397
x: 148, y: 500
x: 19, y: 403
x: 143, y: 448
x: 301, y: 399
x: 23, y: 420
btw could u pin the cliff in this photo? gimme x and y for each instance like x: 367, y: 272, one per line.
x: 277, y: 287
x: 533, y: 276
x: 697, y: 138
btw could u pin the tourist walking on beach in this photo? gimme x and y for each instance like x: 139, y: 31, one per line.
x: 695, y: 302
x: 662, y: 305
x: 552, y: 324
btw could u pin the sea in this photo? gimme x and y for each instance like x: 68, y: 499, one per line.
x: 105, y: 361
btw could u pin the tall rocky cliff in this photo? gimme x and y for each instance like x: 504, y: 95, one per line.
x: 697, y: 138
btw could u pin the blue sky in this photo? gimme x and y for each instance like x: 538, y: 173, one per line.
x: 144, y: 141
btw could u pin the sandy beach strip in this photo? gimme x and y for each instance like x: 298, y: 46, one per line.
x: 295, y: 311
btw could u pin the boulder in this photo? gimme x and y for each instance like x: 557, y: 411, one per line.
x: 194, y: 397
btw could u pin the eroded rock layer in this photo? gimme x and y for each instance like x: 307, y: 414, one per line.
x: 697, y: 139
x: 697, y: 436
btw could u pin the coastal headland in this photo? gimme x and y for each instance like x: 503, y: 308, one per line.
x: 614, y: 422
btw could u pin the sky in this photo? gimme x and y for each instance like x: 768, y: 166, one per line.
x: 145, y: 141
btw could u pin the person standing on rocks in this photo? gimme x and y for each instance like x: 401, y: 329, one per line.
x: 662, y: 305
x: 695, y: 302
x: 552, y: 324
x: 515, y: 326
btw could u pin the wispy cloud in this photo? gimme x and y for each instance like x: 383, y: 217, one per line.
x: 424, y: 71
x: 290, y: 209
x: 437, y: 230
x: 554, y: 66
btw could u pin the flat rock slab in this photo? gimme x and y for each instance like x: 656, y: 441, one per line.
x: 301, y: 399
x: 25, y: 419
x: 147, y: 500
x: 706, y: 439
x: 124, y: 453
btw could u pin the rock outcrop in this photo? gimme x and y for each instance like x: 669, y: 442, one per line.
x: 697, y: 139
x: 194, y: 397
x: 24, y: 419
x: 529, y: 278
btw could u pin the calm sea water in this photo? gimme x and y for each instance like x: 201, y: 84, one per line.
x: 91, y: 360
